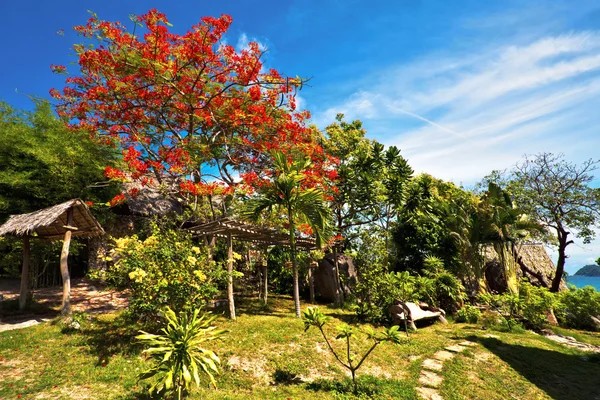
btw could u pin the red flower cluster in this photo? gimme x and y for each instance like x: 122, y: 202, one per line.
x: 190, y: 101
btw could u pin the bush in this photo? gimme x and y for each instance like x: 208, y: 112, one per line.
x: 490, y: 319
x: 536, y: 303
x: 468, y: 314
x: 165, y: 269
x: 576, y: 307
x: 531, y: 306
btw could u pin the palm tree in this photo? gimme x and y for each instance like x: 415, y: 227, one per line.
x: 288, y: 195
x: 505, y: 226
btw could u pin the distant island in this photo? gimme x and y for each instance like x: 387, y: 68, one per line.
x: 589, y: 270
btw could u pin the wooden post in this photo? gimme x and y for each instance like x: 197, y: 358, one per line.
x: 339, y: 295
x: 24, y: 293
x: 311, y: 281
x: 265, y: 263
x: 64, y: 266
x: 230, y: 276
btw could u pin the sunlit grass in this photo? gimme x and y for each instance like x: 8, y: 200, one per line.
x: 267, y: 355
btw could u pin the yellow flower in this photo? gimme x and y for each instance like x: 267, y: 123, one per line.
x: 201, y: 275
x: 151, y: 241
x: 137, y: 275
x: 192, y: 260
x: 196, y: 249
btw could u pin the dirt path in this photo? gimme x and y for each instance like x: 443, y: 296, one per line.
x: 85, y: 296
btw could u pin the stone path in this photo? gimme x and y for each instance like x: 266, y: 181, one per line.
x: 430, y: 379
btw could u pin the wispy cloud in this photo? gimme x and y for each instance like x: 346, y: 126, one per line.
x: 485, y: 110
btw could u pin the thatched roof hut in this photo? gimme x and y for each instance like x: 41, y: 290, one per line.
x: 62, y: 221
x: 533, y: 256
x: 51, y: 222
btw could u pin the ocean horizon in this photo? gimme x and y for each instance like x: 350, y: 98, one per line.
x: 582, y: 281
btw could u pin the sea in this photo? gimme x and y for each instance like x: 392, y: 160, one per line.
x: 581, y: 281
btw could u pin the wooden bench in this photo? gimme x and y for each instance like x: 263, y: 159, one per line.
x: 407, y: 312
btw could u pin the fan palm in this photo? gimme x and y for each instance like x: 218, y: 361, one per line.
x: 288, y: 195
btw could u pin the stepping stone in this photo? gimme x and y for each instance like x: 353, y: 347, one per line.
x: 433, y: 364
x: 428, y: 393
x: 430, y: 379
x: 467, y: 343
x: 443, y: 355
x: 456, y: 348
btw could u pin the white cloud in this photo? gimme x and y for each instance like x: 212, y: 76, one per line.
x: 244, y: 40
x: 485, y: 110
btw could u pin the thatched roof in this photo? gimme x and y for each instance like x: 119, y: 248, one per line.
x: 51, y: 222
x: 150, y: 200
x: 533, y: 255
x: 249, y: 233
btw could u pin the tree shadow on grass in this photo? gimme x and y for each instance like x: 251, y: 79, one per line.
x: 106, y: 338
x: 561, y: 376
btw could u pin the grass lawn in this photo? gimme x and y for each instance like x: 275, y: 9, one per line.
x: 267, y: 355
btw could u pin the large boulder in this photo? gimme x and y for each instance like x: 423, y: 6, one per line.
x: 325, y: 275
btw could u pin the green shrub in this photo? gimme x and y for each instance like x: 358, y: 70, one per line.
x: 531, y: 306
x: 536, y: 303
x: 576, y: 307
x: 489, y: 319
x: 178, y: 359
x: 165, y: 269
x: 468, y: 314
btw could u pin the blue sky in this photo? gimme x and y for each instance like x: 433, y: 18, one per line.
x: 461, y: 87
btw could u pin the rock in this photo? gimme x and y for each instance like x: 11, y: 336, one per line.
x: 455, y: 349
x: 443, y: 355
x: 429, y: 393
x: 430, y: 379
x: 325, y: 275
x: 433, y: 364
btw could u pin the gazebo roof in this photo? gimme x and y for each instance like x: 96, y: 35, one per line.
x: 51, y: 222
x: 250, y: 233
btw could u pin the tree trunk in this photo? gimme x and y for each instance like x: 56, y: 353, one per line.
x: 230, y: 276
x: 560, y: 265
x: 24, y: 293
x: 294, y: 264
x: 526, y: 270
x: 64, y: 266
x: 339, y: 297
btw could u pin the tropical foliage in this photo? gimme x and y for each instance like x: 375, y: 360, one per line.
x: 292, y: 194
x: 177, y: 355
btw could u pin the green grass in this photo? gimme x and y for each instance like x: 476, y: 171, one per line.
x: 267, y: 355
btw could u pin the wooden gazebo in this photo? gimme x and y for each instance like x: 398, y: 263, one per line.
x: 62, y: 221
x: 231, y: 228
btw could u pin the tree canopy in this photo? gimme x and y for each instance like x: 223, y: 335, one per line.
x: 187, y: 106
x: 42, y: 164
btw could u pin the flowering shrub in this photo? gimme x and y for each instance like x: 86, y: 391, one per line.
x: 165, y: 269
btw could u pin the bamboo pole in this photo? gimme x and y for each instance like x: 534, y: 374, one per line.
x: 230, y: 276
x: 24, y: 292
x: 64, y: 266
